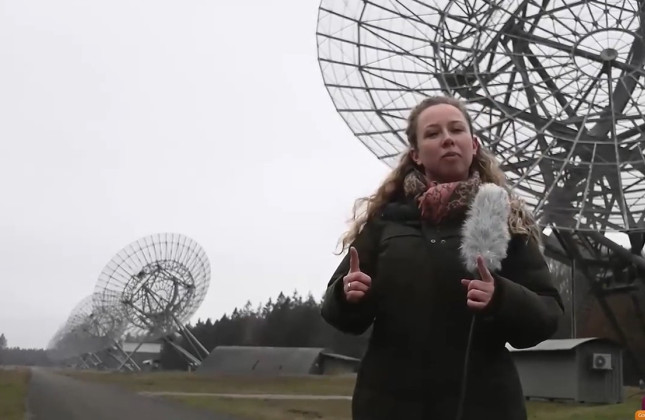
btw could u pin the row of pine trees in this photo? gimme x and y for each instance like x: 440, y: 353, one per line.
x: 289, y: 321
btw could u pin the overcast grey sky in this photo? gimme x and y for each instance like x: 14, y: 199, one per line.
x: 208, y: 118
x: 124, y: 118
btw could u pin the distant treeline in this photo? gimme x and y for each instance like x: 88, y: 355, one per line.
x: 24, y: 357
x: 289, y: 321
x: 293, y: 321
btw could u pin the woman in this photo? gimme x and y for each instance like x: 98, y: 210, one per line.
x: 404, y: 276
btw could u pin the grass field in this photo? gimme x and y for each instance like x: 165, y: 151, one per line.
x: 187, y: 382
x: 267, y: 409
x: 13, y: 393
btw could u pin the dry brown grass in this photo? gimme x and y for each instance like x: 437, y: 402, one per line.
x: 341, y: 410
x: 192, y: 382
x: 570, y: 411
x: 14, y: 385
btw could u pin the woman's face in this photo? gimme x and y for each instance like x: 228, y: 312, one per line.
x: 445, y: 146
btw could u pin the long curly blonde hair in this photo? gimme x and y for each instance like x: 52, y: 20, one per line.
x: 366, y: 208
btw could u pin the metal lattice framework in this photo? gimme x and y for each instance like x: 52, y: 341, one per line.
x: 55, y: 349
x: 147, y: 291
x: 160, y: 281
x: 555, y: 90
x: 87, y: 331
x: 550, y: 90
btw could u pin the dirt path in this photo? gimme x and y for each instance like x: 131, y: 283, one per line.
x: 249, y: 396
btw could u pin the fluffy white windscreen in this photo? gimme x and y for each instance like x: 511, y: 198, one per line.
x: 485, y: 231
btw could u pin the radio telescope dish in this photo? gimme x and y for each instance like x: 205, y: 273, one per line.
x: 159, y: 281
x: 72, y: 340
x: 54, y: 350
x: 81, y: 337
x: 89, y: 333
x: 100, y: 326
x: 555, y: 91
x: 68, y: 344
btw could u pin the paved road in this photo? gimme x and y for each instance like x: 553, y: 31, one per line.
x: 250, y: 396
x: 57, y: 397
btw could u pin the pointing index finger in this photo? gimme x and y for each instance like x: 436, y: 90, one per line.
x: 483, y: 270
x: 354, y: 266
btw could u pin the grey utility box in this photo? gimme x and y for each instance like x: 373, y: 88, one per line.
x: 585, y: 370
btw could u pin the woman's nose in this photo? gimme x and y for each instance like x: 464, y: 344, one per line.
x: 447, y: 138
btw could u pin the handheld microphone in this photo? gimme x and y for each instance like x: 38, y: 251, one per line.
x: 485, y: 232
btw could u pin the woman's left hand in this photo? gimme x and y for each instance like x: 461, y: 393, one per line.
x: 480, y: 292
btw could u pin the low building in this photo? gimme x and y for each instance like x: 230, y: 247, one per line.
x: 145, y: 355
x: 337, y: 364
x: 585, y: 370
x: 257, y: 360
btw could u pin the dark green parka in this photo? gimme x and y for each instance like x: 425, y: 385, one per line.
x: 413, y: 365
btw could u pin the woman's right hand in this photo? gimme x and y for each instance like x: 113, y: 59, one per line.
x: 355, y: 283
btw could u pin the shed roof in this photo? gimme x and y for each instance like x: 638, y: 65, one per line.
x: 560, y: 344
x: 261, y: 360
x: 340, y: 357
